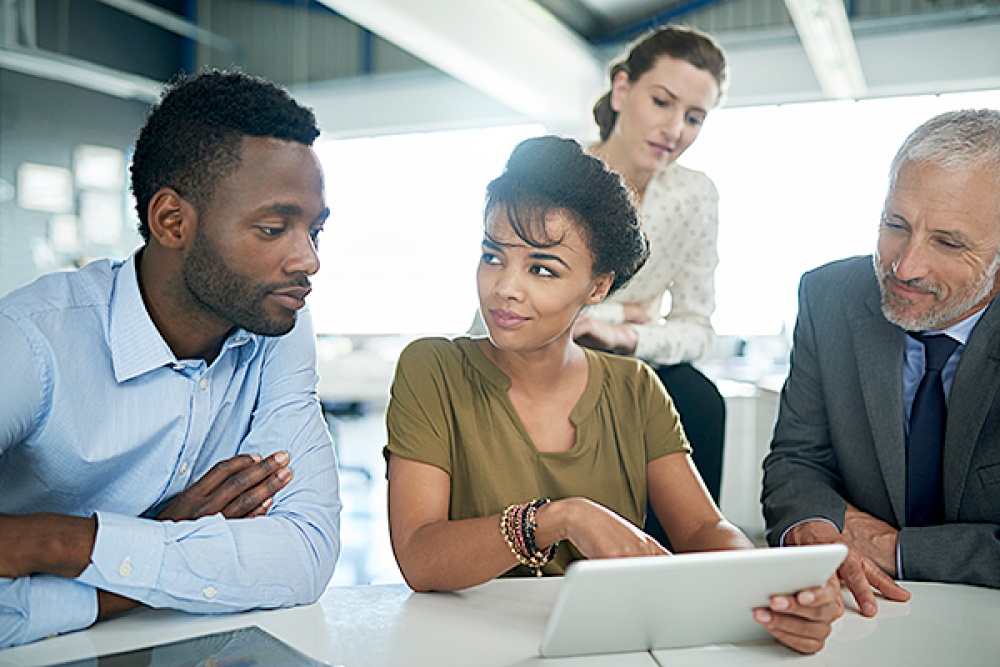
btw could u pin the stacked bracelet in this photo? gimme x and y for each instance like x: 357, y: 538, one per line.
x: 517, y: 525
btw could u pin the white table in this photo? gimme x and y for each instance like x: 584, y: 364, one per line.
x: 501, y: 624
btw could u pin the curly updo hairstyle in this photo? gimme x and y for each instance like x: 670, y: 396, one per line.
x: 693, y: 46
x: 549, y: 174
x: 193, y: 137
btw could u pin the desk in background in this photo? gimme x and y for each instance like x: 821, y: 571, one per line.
x: 501, y: 623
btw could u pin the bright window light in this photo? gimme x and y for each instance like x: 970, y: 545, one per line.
x: 800, y: 185
x: 400, y: 249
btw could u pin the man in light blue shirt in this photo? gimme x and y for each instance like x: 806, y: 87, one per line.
x: 886, y: 438
x: 161, y: 441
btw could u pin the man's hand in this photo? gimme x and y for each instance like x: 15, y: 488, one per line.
x: 240, y: 487
x: 858, y: 572
x: 873, y: 537
x: 45, y: 544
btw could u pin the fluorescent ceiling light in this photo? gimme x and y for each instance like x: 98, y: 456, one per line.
x: 56, y: 67
x: 826, y: 35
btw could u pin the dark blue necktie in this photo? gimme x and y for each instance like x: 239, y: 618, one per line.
x: 925, y: 447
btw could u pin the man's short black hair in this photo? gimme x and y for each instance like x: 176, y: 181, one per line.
x: 193, y: 137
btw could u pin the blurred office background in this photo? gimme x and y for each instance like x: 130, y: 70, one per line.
x: 420, y: 102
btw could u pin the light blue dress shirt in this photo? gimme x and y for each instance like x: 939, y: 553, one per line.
x: 914, y: 362
x: 97, y: 416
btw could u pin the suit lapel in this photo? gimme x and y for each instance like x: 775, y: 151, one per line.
x: 879, y: 347
x: 972, y: 394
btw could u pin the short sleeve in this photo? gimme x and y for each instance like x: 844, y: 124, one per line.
x: 418, y: 414
x: 663, y: 432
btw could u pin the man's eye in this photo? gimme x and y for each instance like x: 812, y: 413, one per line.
x: 949, y: 244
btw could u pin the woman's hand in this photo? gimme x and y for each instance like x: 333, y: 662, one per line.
x: 634, y: 313
x: 599, y: 335
x: 802, y: 621
x: 595, y: 530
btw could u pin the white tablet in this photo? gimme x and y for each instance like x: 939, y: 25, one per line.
x: 639, y: 604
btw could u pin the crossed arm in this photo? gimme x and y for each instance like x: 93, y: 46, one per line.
x: 44, y: 543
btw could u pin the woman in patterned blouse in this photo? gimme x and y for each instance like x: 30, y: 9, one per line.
x: 660, y: 95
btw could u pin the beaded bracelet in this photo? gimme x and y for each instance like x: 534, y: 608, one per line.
x: 517, y: 525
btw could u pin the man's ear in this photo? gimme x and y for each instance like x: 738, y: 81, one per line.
x: 599, y: 290
x: 172, y: 220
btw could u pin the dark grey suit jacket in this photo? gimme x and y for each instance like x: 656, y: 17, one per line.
x: 840, y: 433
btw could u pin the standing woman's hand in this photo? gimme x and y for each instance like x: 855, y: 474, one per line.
x: 633, y: 313
x: 595, y: 530
x: 600, y: 335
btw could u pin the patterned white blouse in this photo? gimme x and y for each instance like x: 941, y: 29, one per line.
x: 680, y: 213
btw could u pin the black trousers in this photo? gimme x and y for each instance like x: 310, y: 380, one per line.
x: 703, y: 415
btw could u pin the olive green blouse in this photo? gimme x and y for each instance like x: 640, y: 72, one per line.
x: 449, y: 408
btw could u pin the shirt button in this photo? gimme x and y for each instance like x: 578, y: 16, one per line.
x: 210, y: 592
x: 203, y: 383
x: 125, y: 569
x: 184, y: 468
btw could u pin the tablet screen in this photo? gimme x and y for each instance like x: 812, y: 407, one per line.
x: 246, y: 647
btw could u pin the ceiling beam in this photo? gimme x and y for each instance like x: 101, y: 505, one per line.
x: 172, y: 22
x: 512, y: 50
x: 633, y: 30
x: 64, y: 69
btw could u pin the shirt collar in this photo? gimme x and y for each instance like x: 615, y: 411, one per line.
x: 961, y: 330
x: 136, y: 344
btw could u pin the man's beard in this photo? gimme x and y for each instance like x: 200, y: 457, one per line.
x: 942, y: 311
x: 230, y: 295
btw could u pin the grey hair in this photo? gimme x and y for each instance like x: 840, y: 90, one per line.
x: 953, y: 140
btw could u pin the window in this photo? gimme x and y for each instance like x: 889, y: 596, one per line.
x: 800, y: 185
x: 400, y: 248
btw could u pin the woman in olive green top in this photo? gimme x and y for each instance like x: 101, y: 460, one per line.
x: 483, y: 432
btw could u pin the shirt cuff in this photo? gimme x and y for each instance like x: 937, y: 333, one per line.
x: 899, y: 560
x: 127, y: 556
x: 646, y: 347
x: 799, y: 523
x: 57, y: 604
